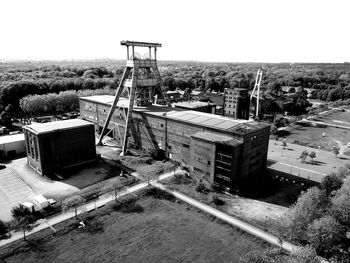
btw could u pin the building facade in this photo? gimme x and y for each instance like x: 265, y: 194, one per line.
x: 236, y: 103
x: 55, y: 146
x: 223, y: 150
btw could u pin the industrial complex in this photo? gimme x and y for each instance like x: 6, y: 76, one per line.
x: 221, y: 148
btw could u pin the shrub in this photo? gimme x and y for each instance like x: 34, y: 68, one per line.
x: 3, y: 228
x: 325, y: 233
x: 217, y: 188
x: 217, y: 200
x: 331, y: 182
x: 201, y: 188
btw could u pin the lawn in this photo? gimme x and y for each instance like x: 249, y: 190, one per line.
x: 341, y: 118
x: 312, y: 137
x: 263, y: 212
x: 158, y: 230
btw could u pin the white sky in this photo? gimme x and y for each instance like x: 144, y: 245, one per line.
x: 207, y: 30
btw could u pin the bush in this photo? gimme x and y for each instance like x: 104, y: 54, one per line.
x: 3, y: 228
x: 217, y: 188
x: 324, y: 234
x: 331, y: 182
x: 217, y: 200
x: 201, y: 188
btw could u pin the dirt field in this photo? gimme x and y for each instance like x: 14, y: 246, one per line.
x: 161, y: 231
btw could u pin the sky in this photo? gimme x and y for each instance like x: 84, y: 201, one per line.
x: 207, y: 30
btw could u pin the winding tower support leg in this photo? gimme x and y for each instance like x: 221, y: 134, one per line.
x: 120, y: 90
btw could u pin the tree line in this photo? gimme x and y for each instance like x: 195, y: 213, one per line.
x: 53, y: 103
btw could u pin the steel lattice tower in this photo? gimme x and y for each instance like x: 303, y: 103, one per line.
x: 139, y: 84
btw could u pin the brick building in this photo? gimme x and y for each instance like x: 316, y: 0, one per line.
x: 221, y: 149
x: 236, y: 103
x: 54, y: 146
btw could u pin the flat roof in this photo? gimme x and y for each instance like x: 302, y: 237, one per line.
x: 189, y: 116
x: 213, y: 137
x: 48, y: 127
x: 11, y: 138
x: 192, y: 105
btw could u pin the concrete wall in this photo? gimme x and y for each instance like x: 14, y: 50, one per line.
x: 202, y: 157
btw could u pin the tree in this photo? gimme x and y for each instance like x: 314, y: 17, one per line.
x: 23, y: 218
x: 309, y: 206
x: 305, y: 254
x: 336, y: 151
x: 341, y: 203
x: 325, y: 233
x: 312, y: 155
x: 72, y: 204
x: 3, y: 228
x: 331, y: 182
x: 115, y: 187
x: 303, y: 156
x: 344, y: 172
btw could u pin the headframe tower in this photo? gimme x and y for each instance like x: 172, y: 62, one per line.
x: 139, y: 84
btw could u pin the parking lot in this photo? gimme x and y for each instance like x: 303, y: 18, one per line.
x: 12, y: 192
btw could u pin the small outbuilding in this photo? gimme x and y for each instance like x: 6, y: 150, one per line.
x: 11, y: 145
x: 55, y: 146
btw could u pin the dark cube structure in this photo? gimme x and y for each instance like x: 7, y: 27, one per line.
x: 56, y: 146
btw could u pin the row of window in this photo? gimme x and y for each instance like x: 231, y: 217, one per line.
x: 32, y: 146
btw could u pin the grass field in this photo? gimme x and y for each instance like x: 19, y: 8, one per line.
x: 263, y: 212
x: 158, y: 231
x: 312, y: 137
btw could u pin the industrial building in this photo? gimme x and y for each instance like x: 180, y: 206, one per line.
x: 207, y: 107
x: 222, y: 149
x: 10, y: 145
x: 236, y: 103
x: 55, y: 146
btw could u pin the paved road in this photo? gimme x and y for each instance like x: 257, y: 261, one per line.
x: 12, y: 192
x: 51, y: 221
x: 230, y: 219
